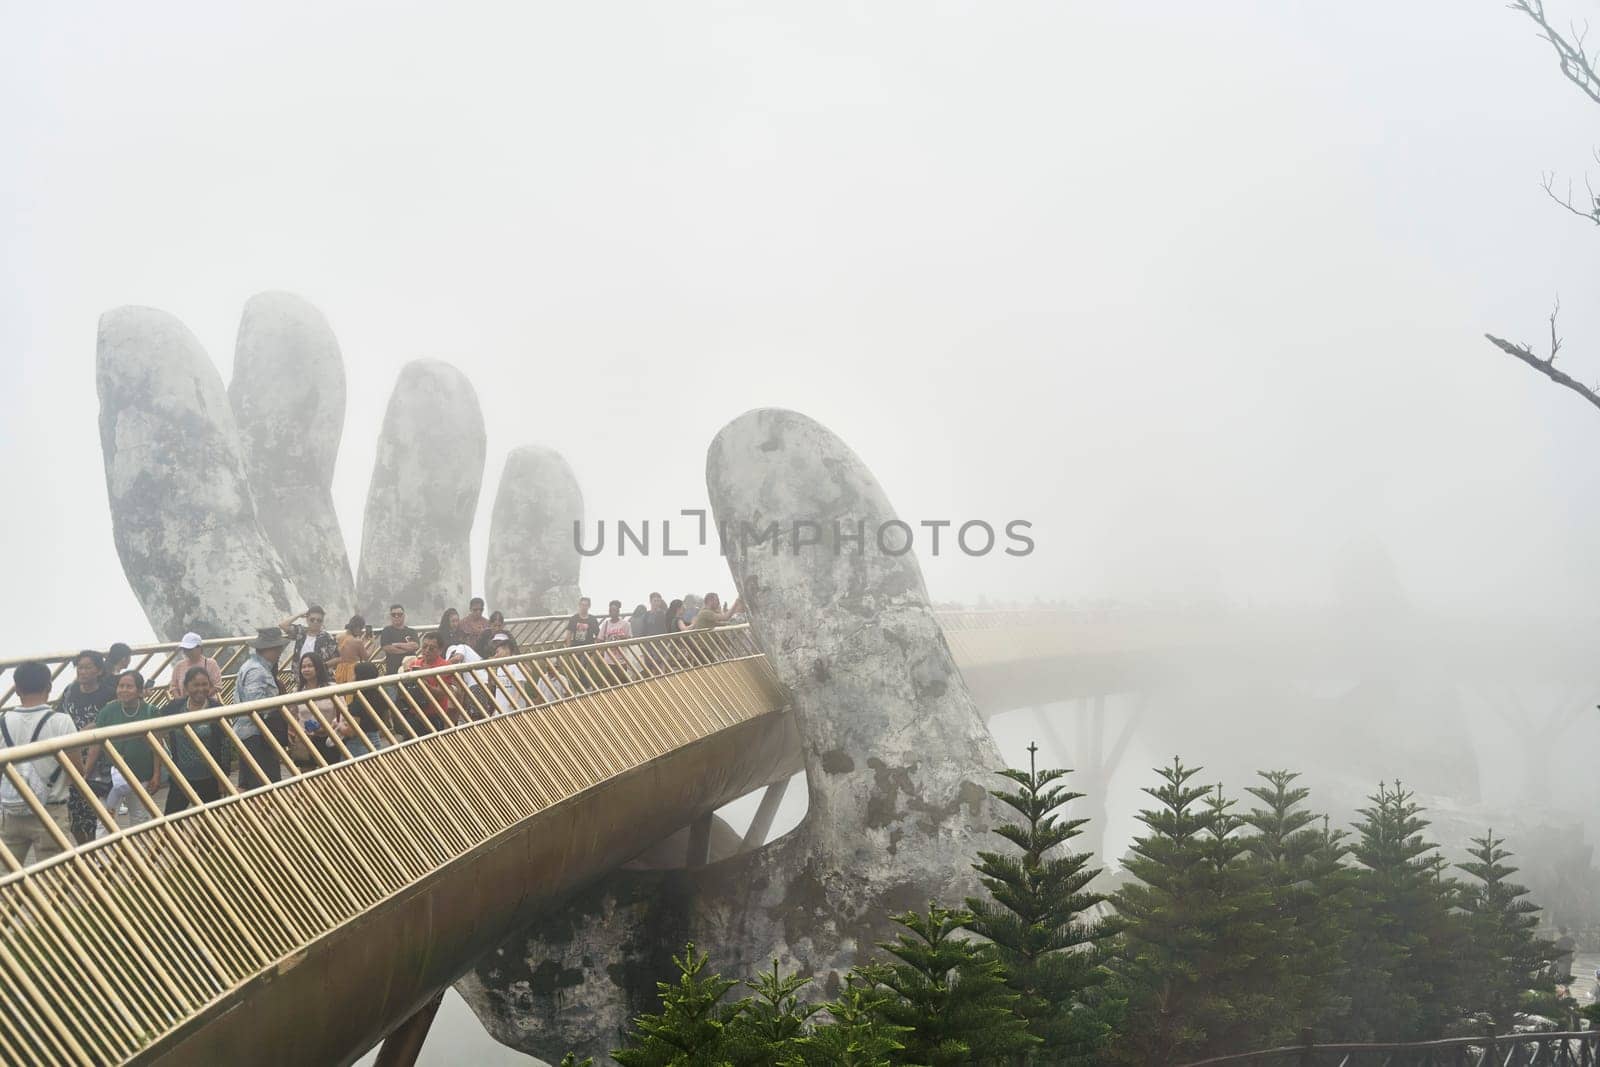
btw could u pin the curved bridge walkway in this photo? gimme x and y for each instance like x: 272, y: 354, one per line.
x: 142, y: 944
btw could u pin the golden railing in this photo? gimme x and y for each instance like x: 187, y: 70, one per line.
x: 111, y: 945
x: 155, y: 661
x: 532, y: 633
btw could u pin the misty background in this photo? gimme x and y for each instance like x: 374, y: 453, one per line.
x: 1198, y: 290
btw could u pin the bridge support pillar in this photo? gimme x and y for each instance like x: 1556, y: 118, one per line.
x: 766, y: 811
x: 700, y: 841
x: 402, y: 1047
x: 1092, y: 761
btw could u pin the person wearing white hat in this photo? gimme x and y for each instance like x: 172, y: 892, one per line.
x: 511, y: 681
x: 193, y: 655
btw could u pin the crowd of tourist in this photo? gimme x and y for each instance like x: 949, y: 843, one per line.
x: 104, y: 692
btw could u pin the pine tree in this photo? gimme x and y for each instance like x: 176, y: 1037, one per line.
x: 1249, y: 961
x: 1406, y: 945
x: 1035, y: 918
x: 856, y: 1033
x: 769, y: 1021
x: 1197, y: 926
x: 1511, y: 970
x: 949, y: 993
x: 1303, y: 867
x: 691, y: 1028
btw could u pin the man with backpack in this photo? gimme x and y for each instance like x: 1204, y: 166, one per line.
x: 34, y: 720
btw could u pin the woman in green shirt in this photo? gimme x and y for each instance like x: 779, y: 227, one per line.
x: 190, y: 761
x: 130, y: 706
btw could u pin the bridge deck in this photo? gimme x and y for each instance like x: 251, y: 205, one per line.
x: 378, y: 880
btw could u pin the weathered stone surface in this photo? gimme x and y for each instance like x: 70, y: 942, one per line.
x: 532, y: 567
x: 288, y: 396
x: 896, y: 758
x: 423, y: 495
x: 182, y: 512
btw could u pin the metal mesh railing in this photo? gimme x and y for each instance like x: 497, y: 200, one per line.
x: 108, y: 945
x: 1570, y: 1048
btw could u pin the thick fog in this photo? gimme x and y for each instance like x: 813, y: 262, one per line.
x: 1197, y: 291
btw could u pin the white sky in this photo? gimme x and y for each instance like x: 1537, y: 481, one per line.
x: 1197, y: 288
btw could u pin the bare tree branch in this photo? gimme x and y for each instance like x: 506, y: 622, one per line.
x: 1592, y: 213
x: 1546, y: 365
x: 1576, y: 63
x: 1578, y: 66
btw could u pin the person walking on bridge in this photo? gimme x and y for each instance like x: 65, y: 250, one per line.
x: 471, y: 629
x: 370, y: 709
x: 511, y: 683
x: 710, y: 614
x: 192, y: 656
x: 434, y: 717
x: 397, y: 640
x: 497, y: 626
x: 35, y: 720
x: 358, y: 630
x: 189, y: 760
x: 90, y: 688
x: 314, y: 638
x: 449, y: 628
x: 258, y: 680
x: 352, y: 650
x: 615, y: 628
x: 129, y: 707
x: 655, y: 618
x: 582, y: 628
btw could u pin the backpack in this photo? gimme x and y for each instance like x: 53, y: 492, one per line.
x: 10, y: 799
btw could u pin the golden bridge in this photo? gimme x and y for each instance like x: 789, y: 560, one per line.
x: 315, y: 916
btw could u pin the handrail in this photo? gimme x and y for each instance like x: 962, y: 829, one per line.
x: 113, y: 948
x: 555, y: 674
x: 957, y: 620
x: 1588, y: 1045
x: 528, y: 631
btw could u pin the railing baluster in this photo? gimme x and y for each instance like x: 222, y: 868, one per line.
x: 199, y: 901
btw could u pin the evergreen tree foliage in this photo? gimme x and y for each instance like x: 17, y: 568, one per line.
x: 1162, y: 962
x: 1250, y: 961
x: 1302, y: 865
x: 1406, y: 945
x: 856, y: 1033
x: 691, y: 1030
x: 571, y: 1060
x: 1198, y: 959
x: 769, y: 1020
x: 1236, y: 932
x: 949, y: 993
x: 1510, y: 969
x: 1035, y: 918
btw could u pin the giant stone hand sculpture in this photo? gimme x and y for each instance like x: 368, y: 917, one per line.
x: 533, y: 569
x: 223, y: 512
x: 223, y: 520
x: 894, y: 752
x: 288, y: 397
x: 182, y: 511
x: 415, y: 541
